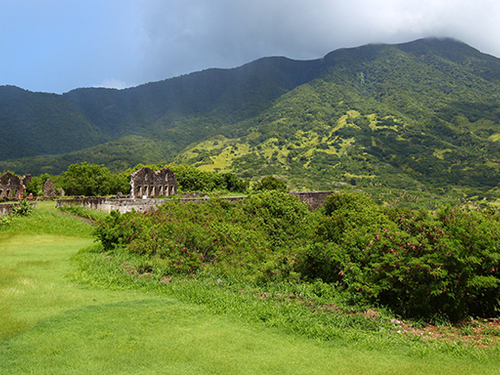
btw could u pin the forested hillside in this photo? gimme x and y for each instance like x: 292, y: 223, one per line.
x: 423, y: 115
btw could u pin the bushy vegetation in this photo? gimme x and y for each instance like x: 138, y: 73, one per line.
x: 90, y: 180
x: 24, y: 208
x: 270, y: 183
x: 35, y: 186
x: 420, y: 265
x: 244, y: 239
x: 190, y: 178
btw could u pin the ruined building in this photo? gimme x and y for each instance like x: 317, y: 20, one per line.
x: 150, y: 184
x: 12, y: 186
x: 49, y: 190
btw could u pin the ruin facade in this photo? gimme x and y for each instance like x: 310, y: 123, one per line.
x: 146, y: 183
x: 12, y: 186
x: 49, y: 190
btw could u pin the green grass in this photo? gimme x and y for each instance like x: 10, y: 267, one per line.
x: 52, y: 325
x: 47, y: 220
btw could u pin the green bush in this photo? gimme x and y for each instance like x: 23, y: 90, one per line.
x: 282, y: 216
x: 117, y: 230
x: 4, y: 220
x: 446, y: 266
x: 270, y: 183
x: 250, y: 238
x: 35, y: 186
x: 24, y: 208
x: 421, y: 266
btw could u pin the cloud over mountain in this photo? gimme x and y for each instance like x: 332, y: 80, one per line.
x: 58, y: 45
x: 180, y: 37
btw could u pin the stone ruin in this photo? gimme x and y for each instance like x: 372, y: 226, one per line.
x: 49, y: 190
x: 146, y: 183
x: 12, y: 186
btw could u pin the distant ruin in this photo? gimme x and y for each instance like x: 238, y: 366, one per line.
x: 49, y: 190
x: 146, y: 183
x: 12, y: 186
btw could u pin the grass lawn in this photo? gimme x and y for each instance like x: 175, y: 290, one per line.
x: 51, y: 325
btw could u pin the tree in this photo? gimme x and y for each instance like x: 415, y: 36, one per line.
x: 88, y: 179
x: 35, y: 186
x: 270, y: 183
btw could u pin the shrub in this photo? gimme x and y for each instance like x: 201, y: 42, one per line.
x: 117, y: 229
x: 419, y: 265
x: 250, y: 239
x: 4, y: 220
x: 35, y: 186
x: 270, y: 183
x: 446, y: 266
x: 282, y: 216
x: 346, y: 212
x: 24, y: 208
x: 90, y: 180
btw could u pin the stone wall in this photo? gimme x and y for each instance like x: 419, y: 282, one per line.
x: 94, y: 203
x: 6, y: 208
x: 313, y: 199
x: 129, y: 204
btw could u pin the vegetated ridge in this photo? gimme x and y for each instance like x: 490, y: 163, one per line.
x: 422, y: 115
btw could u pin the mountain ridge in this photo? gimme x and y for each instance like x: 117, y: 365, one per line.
x: 374, y: 112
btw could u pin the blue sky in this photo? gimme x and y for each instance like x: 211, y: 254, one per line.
x: 59, y: 45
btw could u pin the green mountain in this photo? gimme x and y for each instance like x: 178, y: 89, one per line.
x: 36, y: 124
x: 423, y: 115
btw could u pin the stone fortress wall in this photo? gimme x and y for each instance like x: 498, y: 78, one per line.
x: 147, y: 185
x: 6, y: 208
x: 313, y: 199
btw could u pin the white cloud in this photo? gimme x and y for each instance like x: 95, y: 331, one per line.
x: 113, y: 84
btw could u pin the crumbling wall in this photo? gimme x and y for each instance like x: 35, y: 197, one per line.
x: 146, y: 183
x: 49, y: 190
x: 6, y: 208
x: 94, y: 203
x: 313, y: 199
x: 12, y: 186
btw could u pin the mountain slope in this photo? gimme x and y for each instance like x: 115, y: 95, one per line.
x: 35, y: 124
x: 419, y: 115
x: 383, y: 115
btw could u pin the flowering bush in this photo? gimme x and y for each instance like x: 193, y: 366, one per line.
x: 419, y: 265
x: 245, y: 237
x: 444, y: 265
